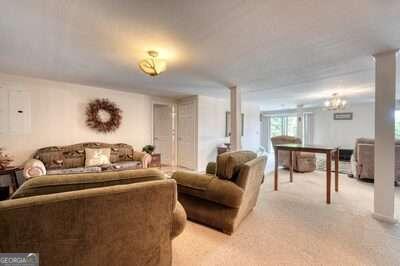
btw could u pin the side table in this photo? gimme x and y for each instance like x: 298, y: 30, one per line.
x: 12, y: 172
x: 155, y: 160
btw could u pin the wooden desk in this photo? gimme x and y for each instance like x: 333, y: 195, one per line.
x: 329, y: 151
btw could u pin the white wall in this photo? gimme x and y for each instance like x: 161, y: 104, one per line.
x: 211, y: 128
x: 344, y: 132
x: 58, y: 116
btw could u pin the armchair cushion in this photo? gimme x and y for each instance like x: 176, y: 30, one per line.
x: 192, y: 179
x: 228, y: 164
x: 209, y: 188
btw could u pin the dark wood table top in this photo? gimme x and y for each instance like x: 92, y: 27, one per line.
x: 10, y: 169
x: 306, y: 148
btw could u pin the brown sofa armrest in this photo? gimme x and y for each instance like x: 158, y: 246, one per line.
x: 178, y: 220
x: 143, y: 157
x: 211, y: 168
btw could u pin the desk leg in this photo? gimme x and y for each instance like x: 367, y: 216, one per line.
x: 14, y: 180
x: 337, y: 170
x: 276, y: 170
x: 291, y: 166
x: 328, y: 177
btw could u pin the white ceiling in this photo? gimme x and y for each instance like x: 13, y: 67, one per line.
x: 279, y: 52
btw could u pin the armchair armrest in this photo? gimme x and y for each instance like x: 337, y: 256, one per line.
x: 178, y: 220
x: 33, y: 168
x: 211, y: 168
x: 143, y: 157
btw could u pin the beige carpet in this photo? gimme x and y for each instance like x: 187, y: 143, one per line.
x: 294, y: 226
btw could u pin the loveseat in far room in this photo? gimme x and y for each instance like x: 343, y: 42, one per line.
x: 71, y: 159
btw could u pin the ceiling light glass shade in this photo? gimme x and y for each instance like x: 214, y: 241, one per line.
x: 335, y: 103
x: 153, y: 66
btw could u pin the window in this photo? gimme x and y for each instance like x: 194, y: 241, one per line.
x: 286, y: 124
x: 279, y: 125
x: 397, y: 124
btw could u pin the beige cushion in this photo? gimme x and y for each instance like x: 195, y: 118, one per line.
x: 33, y: 168
x: 228, y: 164
x: 96, y: 157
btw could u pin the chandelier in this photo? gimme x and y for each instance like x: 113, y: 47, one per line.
x: 335, y: 103
x: 153, y: 65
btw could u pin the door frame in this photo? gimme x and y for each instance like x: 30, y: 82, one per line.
x: 195, y: 101
x: 174, y: 143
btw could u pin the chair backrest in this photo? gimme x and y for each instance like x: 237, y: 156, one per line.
x: 285, y: 140
x: 229, y: 163
x: 126, y: 223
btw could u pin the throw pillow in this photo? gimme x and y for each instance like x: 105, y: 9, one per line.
x: 96, y: 157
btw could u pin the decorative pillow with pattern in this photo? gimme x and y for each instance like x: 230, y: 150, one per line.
x: 96, y: 157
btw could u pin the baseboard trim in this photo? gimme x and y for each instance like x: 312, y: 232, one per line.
x: 384, y: 218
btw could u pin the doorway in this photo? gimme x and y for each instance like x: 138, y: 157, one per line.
x: 187, y: 136
x: 164, y: 132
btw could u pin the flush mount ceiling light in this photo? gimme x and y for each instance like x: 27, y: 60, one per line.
x: 335, y: 103
x: 153, y: 65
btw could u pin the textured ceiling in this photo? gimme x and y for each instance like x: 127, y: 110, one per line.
x: 278, y: 52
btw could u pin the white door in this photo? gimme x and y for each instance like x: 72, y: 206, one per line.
x: 163, y: 126
x: 186, y: 135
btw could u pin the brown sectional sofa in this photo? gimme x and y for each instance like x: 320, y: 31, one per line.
x: 124, y: 218
x: 303, y: 161
x: 362, y: 160
x: 226, y: 194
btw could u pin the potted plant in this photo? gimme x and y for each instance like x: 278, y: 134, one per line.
x: 149, y: 149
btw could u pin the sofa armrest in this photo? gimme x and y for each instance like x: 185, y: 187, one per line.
x: 211, y: 168
x: 33, y: 168
x: 143, y: 157
x: 178, y: 220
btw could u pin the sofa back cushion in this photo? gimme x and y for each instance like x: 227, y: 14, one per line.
x: 43, y: 185
x: 229, y: 163
x: 96, y: 157
x: 60, y: 157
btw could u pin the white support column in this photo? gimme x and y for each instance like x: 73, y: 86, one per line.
x: 300, y: 121
x: 236, y: 111
x: 385, y: 104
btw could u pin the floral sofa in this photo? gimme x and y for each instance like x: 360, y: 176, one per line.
x: 57, y: 160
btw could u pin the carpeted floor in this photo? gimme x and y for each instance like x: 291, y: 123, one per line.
x: 294, y: 226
